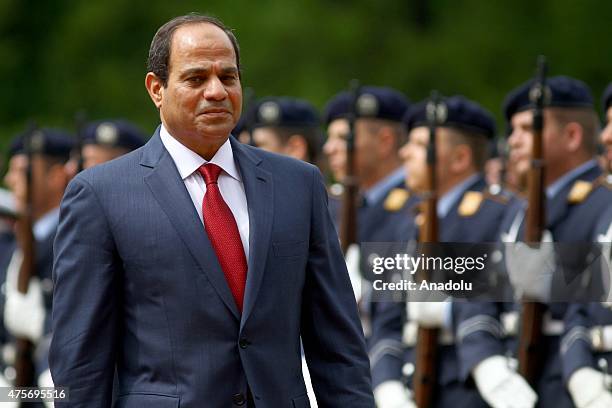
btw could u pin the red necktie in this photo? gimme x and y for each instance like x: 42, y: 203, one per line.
x: 223, y: 233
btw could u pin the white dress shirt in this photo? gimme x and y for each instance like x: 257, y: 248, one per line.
x: 230, y: 182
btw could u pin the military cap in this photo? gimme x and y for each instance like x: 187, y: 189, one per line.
x: 606, y: 99
x: 454, y: 112
x: 561, y: 92
x: 45, y: 141
x: 113, y: 133
x: 284, y: 112
x: 7, y: 203
x: 240, y: 125
x: 372, y: 102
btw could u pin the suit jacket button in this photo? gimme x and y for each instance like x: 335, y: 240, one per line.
x: 238, y: 399
x: 243, y: 343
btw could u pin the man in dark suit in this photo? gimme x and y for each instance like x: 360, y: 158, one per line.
x: 193, y: 265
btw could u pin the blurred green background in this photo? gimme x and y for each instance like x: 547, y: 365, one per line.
x: 61, y: 56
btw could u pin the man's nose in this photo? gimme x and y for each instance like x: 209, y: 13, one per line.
x: 215, y: 90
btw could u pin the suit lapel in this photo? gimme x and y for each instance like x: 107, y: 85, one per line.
x: 172, y: 195
x: 259, y: 189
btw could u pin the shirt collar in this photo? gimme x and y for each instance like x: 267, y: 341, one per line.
x: 446, y: 202
x: 563, y: 181
x: 380, y: 189
x: 46, y: 224
x: 187, y: 161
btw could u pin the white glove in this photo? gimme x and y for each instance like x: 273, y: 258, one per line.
x: 393, y: 394
x: 5, y: 383
x: 45, y: 380
x: 352, y: 258
x: 531, y: 269
x: 587, y: 388
x: 500, y: 386
x: 24, y: 315
x: 429, y: 314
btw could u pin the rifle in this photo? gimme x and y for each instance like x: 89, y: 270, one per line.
x: 424, y: 382
x: 531, y: 336
x: 348, y: 220
x: 24, y: 366
x: 80, y: 121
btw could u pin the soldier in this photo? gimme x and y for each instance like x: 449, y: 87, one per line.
x: 28, y: 315
x: 586, y: 346
x: 574, y: 201
x: 105, y: 140
x: 379, y: 133
x: 468, y: 212
x: 287, y: 126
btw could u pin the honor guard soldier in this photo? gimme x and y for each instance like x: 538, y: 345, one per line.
x: 288, y: 126
x: 8, y: 213
x: 574, y: 202
x: 106, y: 140
x: 379, y: 132
x: 586, y: 347
x: 468, y: 211
x: 29, y: 315
x: 374, y: 115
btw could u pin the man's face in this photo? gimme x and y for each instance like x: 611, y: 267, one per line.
x: 606, y: 135
x: 366, y: 149
x: 15, y: 179
x: 46, y: 179
x: 202, y: 99
x: 414, y: 156
x: 521, y: 141
x: 266, y: 139
x: 94, y: 154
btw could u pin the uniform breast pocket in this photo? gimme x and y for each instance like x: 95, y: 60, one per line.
x: 290, y: 249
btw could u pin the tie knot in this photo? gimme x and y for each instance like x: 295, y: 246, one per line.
x: 210, y: 172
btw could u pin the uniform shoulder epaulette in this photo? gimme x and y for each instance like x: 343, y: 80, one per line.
x: 470, y: 203
x: 396, y: 199
x: 579, y: 192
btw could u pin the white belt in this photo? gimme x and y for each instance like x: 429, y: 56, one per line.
x: 550, y: 326
x: 410, y: 331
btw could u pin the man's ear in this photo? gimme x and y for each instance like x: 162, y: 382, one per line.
x: 297, y: 147
x: 575, y: 136
x: 155, y: 87
x: 462, y: 158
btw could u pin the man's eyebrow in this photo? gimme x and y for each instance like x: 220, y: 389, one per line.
x: 194, y: 71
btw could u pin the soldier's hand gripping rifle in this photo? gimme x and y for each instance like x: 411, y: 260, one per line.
x: 424, y: 380
x: 530, y: 335
x: 348, y: 220
x: 24, y: 366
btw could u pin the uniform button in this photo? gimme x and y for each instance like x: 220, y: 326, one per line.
x: 238, y: 399
x: 243, y: 343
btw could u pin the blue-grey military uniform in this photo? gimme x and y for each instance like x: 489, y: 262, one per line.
x: 53, y: 143
x: 390, y: 356
x: 574, y: 203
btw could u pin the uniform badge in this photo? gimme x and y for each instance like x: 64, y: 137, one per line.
x: 579, y: 192
x: 269, y: 113
x: 470, y: 203
x: 396, y: 199
x: 107, y: 134
x: 37, y: 142
x: 367, y: 105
